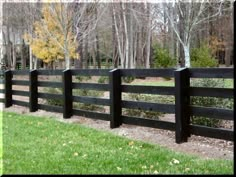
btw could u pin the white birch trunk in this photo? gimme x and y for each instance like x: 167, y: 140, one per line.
x: 31, y: 58
x: 148, y: 42
x: 35, y: 63
x: 118, y: 38
x: 187, y: 55
x: 67, y: 57
x: 126, y: 38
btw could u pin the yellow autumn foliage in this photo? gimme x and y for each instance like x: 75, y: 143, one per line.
x: 48, y: 39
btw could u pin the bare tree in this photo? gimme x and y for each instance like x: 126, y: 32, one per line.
x: 191, y: 14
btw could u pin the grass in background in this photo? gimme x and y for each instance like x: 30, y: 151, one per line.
x: 229, y: 83
x: 156, y: 83
x: 36, y: 145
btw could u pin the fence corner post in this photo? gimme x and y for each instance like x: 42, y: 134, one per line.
x: 67, y: 93
x: 115, y: 97
x: 182, y: 99
x: 33, y: 89
x: 8, y: 88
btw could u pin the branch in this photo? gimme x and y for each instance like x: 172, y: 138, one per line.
x: 207, y: 18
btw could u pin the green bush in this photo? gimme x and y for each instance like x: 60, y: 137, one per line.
x: 128, y: 79
x: 162, y: 58
x: 103, y: 80
x: 201, y: 57
x: 209, y: 101
x: 83, y: 78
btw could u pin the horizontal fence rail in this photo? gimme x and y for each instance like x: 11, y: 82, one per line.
x: 20, y: 82
x: 90, y: 72
x: 147, y: 72
x: 211, y: 73
x: 182, y: 91
x: 91, y: 86
x: 167, y: 108
x: 160, y: 90
x: 211, y: 92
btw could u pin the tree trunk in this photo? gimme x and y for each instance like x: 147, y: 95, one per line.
x: 97, y: 52
x: 13, y: 53
x: 94, y: 56
x: 97, y: 43
x: 126, y: 54
x: 187, y: 55
x: 35, y: 63
x: 139, y: 50
x: 171, y: 34
x: 85, y: 57
x: 148, y: 43
x: 115, y: 57
x: 30, y: 58
x: 23, y: 60
x: 67, y: 58
x: 13, y: 57
x: 9, y: 48
x: 181, y: 48
x: 79, y: 63
x: 118, y: 37
x: 133, y: 63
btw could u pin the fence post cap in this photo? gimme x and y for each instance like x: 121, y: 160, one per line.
x: 33, y: 70
x: 66, y: 70
x: 181, y: 69
x: 8, y: 70
x: 115, y: 69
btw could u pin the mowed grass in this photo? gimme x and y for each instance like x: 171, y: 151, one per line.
x: 36, y: 145
x: 228, y: 83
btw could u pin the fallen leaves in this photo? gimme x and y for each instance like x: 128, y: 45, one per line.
x: 118, y: 168
x: 131, y: 143
x: 155, y: 172
x: 174, y: 161
x: 76, y: 154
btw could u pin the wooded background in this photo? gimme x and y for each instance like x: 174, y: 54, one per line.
x: 115, y: 34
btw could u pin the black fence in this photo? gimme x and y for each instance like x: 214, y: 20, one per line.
x: 181, y: 91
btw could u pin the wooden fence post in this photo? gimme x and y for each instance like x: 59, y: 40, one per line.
x: 182, y: 100
x: 67, y: 94
x: 8, y: 88
x: 33, y: 90
x: 115, y: 97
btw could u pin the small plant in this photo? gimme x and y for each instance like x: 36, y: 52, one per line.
x: 128, y: 79
x: 83, y: 78
x: 162, y: 58
x: 103, y: 80
x: 201, y: 57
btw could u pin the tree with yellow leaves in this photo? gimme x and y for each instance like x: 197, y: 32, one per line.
x: 53, y: 38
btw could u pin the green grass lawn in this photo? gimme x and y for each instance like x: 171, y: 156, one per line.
x: 156, y: 83
x: 36, y: 145
x: 228, y: 83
